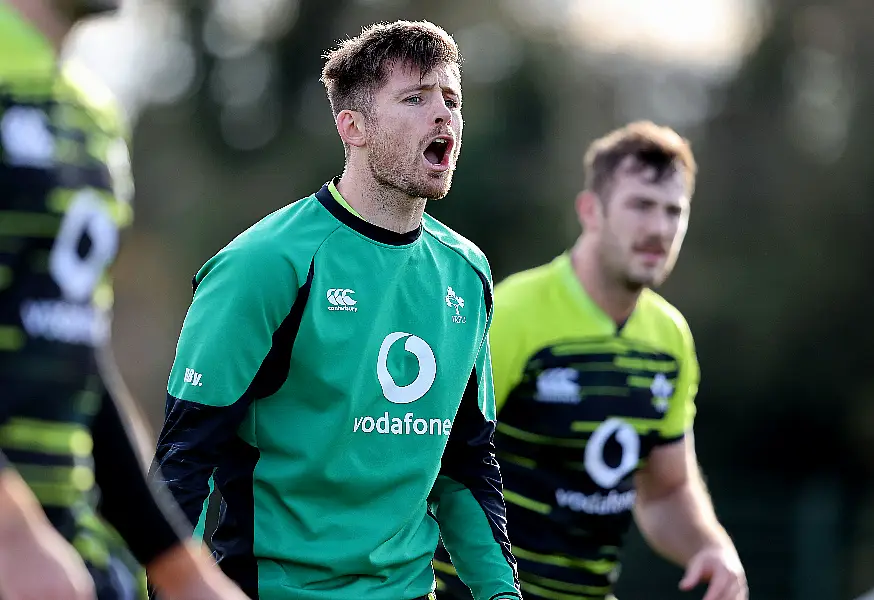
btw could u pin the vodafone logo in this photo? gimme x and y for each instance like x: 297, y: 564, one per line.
x: 406, y: 394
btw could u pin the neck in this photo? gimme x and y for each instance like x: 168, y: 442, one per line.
x: 616, y: 300
x: 381, y: 205
x: 48, y: 20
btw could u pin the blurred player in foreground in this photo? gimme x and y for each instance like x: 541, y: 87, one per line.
x: 333, y: 372
x: 64, y: 194
x: 595, y: 379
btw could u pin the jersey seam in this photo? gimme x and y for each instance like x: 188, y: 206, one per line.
x: 484, y: 280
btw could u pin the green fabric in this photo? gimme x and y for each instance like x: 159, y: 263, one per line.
x: 387, y: 341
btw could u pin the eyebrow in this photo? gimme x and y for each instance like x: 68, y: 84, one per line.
x: 424, y: 86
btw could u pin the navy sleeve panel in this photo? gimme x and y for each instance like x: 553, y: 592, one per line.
x: 192, y: 440
x: 148, y: 520
x: 195, y: 435
x: 469, y: 459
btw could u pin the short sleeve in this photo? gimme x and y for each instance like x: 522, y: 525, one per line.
x: 681, y: 411
x: 241, y: 297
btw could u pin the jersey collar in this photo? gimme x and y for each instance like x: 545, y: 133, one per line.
x: 335, y: 193
x: 332, y: 200
x: 581, y: 297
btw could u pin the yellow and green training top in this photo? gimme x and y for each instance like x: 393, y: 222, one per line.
x: 65, y: 191
x: 583, y: 401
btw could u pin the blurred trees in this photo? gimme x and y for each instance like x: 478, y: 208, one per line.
x: 774, y: 277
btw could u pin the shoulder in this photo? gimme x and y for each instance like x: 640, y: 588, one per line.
x: 462, y: 246
x: 282, y: 242
x: 520, y: 289
x: 89, y: 91
x: 666, y: 318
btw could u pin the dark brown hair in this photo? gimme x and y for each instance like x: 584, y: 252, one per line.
x: 660, y: 148
x: 358, y: 67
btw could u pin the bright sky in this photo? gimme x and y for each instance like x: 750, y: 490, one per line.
x: 708, y: 34
x: 697, y: 32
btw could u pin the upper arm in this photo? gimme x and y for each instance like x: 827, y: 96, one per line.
x: 668, y: 468
x: 242, y: 297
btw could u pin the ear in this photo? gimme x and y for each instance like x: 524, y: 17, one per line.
x: 351, y: 127
x: 589, y: 210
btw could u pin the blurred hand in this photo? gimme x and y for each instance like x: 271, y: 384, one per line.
x: 721, y: 567
x: 215, y: 587
x: 186, y: 572
x: 39, y: 564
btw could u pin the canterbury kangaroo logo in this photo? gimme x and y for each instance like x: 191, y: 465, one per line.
x: 340, y: 299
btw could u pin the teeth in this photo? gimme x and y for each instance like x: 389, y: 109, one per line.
x: 441, y: 141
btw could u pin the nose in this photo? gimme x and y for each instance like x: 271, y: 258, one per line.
x: 664, y: 225
x: 444, y: 115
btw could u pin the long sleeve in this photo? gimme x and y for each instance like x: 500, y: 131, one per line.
x: 146, y: 518
x: 467, y: 500
x: 222, y: 365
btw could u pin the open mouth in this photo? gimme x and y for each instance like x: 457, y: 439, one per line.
x: 438, y: 151
x: 652, y: 255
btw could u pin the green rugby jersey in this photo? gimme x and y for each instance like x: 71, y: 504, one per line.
x: 64, y: 194
x: 582, y: 404
x: 334, y: 379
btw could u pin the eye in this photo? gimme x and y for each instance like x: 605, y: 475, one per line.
x: 414, y: 99
x: 642, y: 204
x: 674, y: 211
x: 453, y: 103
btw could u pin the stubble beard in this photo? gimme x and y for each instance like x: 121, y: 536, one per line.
x: 621, y: 274
x: 651, y: 280
x: 392, y: 169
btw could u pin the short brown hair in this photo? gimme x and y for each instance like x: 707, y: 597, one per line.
x: 356, y: 68
x: 654, y: 146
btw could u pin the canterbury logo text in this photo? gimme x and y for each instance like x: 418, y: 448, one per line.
x: 341, y: 299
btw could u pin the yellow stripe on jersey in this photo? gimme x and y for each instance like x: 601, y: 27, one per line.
x: 79, y: 477
x: 121, y: 213
x: 555, y: 584
x: 642, y: 364
x: 50, y: 494
x: 600, y: 567
x: 542, y: 592
x: 527, y: 463
x: 28, y: 224
x: 642, y: 426
x: 520, y: 500
x: 444, y: 567
x: 11, y: 338
x: 57, y: 486
x: 536, y: 438
x: 47, y: 437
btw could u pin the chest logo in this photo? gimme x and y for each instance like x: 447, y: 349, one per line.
x: 341, y: 299
x: 26, y: 138
x: 661, y: 390
x: 558, y: 386
x: 397, y: 394
x: 455, y: 301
